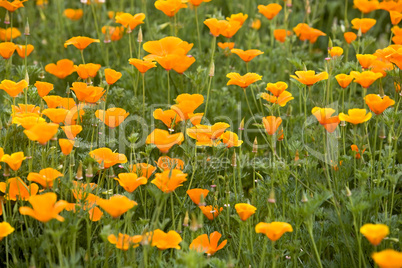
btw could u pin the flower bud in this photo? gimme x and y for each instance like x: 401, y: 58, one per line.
x: 186, y: 219
x: 27, y: 31
x: 348, y: 192
x: 7, y: 18
x: 78, y: 175
x: 241, y: 127
x: 255, y: 145
x: 212, y: 69
x: 271, y: 198
x: 304, y: 198
x: 89, y: 172
x: 140, y: 37
x: 234, y: 160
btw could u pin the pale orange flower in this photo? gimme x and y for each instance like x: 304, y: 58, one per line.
x: 142, y: 65
x: 112, y: 117
x: 247, y: 55
x: 14, y: 160
x: 271, y: 124
x: 88, y: 70
x: 107, y: 158
x: 273, y: 230
x: 80, y: 42
x: 309, y: 78
x: 112, y: 76
x: 210, y: 212
x: 117, y: 205
x: 170, y: 7
x: 270, y: 11
x: 12, y: 88
x: 66, y: 146
x: 377, y: 104
x: 208, y: 245
x: 128, y: 20
x: 44, y: 207
x: 281, y: 34
x: 363, y: 24
x: 44, y: 88
x: 62, y: 69
x: 22, y: 50
x: 349, y: 37
x: 130, y: 181
x: 15, y: 188
x: 42, y: 132
x: 169, y: 180
x: 197, y: 195
x: 243, y: 81
x: 45, y: 177
x: 7, y: 49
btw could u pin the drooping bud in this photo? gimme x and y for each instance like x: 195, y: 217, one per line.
x: 107, y: 36
x: 194, y: 224
x: 330, y: 45
x: 6, y: 172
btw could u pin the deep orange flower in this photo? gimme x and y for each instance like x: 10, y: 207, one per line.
x: 216, y: 27
x: 270, y: 11
x: 277, y: 88
x: 186, y: 104
x: 395, y: 57
x: 128, y: 20
x: 335, y: 52
x: 15, y: 188
x: 230, y: 139
x: 62, y: 69
x: 22, y: 50
x: 231, y: 30
x: 14, y: 160
x: 112, y: 14
x: 344, y: 80
x: 113, y: 33
x: 245, y: 210
x: 87, y: 93
x: 305, y: 32
x: 124, y: 242
x: 9, y: 33
x: 66, y: 146
x: 396, y: 17
x: 73, y: 14
x: 167, y: 45
x: 80, y: 42
x: 247, y: 55
x: 28, y: 120
x: 87, y: 200
x: 256, y: 24
x: 281, y: 34
x: 7, y: 49
x: 42, y: 132
x: 87, y: 70
x: 240, y: 17
x: 5, y: 229
x: 169, y: 180
x: 355, y: 116
x: 366, y: 6
x: 43, y: 89
x: 167, y: 163
x: 366, y: 60
x: 271, y: 124
x: 281, y: 100
x: 170, y: 7
x: 183, y: 63
x: 356, y: 149
x: 377, y: 104
x: 210, y: 212
x: 195, y: 118
x: 390, y: 5
x: 208, y: 135
x: 374, y: 233
x: 324, y: 116
x: 72, y: 131
x: 142, y: 65
x: 56, y: 115
x: 12, y: 88
x: 112, y: 76
x: 208, y: 245
x: 366, y: 78
x: 108, y: 158
x: 382, y: 67
x: 163, y: 240
x: 45, y: 177
x: 52, y: 101
x: 112, y: 117
x: 169, y: 117
x: 143, y: 170
x: 388, y: 258
x: 349, y: 37
x: 44, y: 207
x: 273, y: 230
x: 117, y: 205
x: 309, y: 78
x: 130, y: 181
x: 163, y: 140
x: 197, y: 195
x: 363, y: 24
x: 23, y: 109
x: 196, y: 3
x: 226, y: 45
x: 12, y: 6
x: 243, y: 81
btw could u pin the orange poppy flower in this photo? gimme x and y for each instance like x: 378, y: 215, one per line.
x: 142, y: 65
x: 27, y: 121
x: 349, y: 37
x: 66, y: 146
x: 247, y: 55
x: 226, y: 45
x: 281, y: 34
x: 124, y: 242
x: 245, y: 210
x: 15, y: 188
x: 112, y: 76
x: 374, y: 233
x: 356, y: 149
x: 309, y: 78
x: 271, y: 124
x: 366, y: 78
x: 87, y: 200
x: 56, y: 115
x: 210, y: 212
x: 112, y: 14
x: 277, y: 88
x: 5, y: 229
x: 231, y: 30
x: 80, y: 42
x: 73, y: 14
x: 335, y: 52
x: 270, y: 11
x: 396, y: 57
x: 167, y: 163
x: 256, y: 24
x: 183, y: 63
x: 216, y: 27
x: 195, y: 118
x: 208, y: 245
x: 87, y: 93
x: 388, y: 258
x: 243, y: 81
x: 231, y: 139
x: 382, y: 67
x: 363, y: 24
x: 163, y: 140
x: 52, y: 101
x: 366, y: 6
x: 108, y: 158
x: 113, y: 33
x: 273, y: 230
x: 305, y: 32
x: 143, y: 170
x: 355, y: 116
x: 12, y: 6
x: 128, y: 20
x: 389, y: 5
x: 344, y: 80
x: 72, y: 131
x: 324, y: 116
x: 23, y: 109
x: 42, y: 132
x: 366, y: 60
x: 44, y: 207
x: 163, y: 240
x: 9, y: 33
x: 22, y: 50
x: 197, y: 195
x: 281, y: 100
x: 62, y: 69
x: 196, y: 3
x: 87, y: 70
x: 170, y: 7
x: 14, y: 160
x: 1, y: 155
x: 208, y: 135
x: 43, y: 89
x: 396, y: 17
x: 45, y: 177
x: 169, y: 117
x: 186, y: 104
x: 117, y: 205
x: 377, y: 104
x: 169, y: 180
x: 112, y: 117
x: 240, y: 17
x: 130, y: 181
x: 12, y: 88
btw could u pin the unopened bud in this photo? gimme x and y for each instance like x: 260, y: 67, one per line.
x: 26, y: 31
x: 382, y: 134
x: 304, y: 198
x: 72, y: 160
x: 41, y: 75
x: 330, y: 45
x: 7, y: 18
x: 212, y: 69
x: 359, y: 33
x: 140, y: 37
x: 348, y: 192
x: 79, y: 176
x: 68, y: 89
x: 271, y: 198
x: 255, y: 145
x: 186, y: 219
x: 289, y: 111
x: 6, y: 172
x: 234, y: 160
x: 107, y: 36
x: 27, y: 78
x: 89, y: 172
x: 194, y: 224
x: 241, y: 127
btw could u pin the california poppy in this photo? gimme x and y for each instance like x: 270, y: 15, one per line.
x: 196, y: 3
x: 273, y: 230
x: 124, y: 242
x: 56, y: 115
x: 15, y: 188
x: 186, y: 104
x: 366, y: 78
x: 170, y: 7
x: 163, y: 240
x: 44, y: 88
x: 349, y: 37
x: 87, y: 93
x: 305, y: 32
x: 116, y: 206
x: 309, y: 78
x: 72, y: 131
x: 66, y: 146
x: 169, y: 117
x: 73, y: 14
x: 5, y: 229
x: 130, y: 181
x: 128, y: 20
x: 277, y: 88
x: 27, y: 121
x: 142, y: 65
x: 377, y: 104
x: 88, y: 70
x: 243, y: 81
x: 9, y: 34
x: 216, y: 27
x: 164, y: 140
x: 355, y: 116
x: 112, y: 117
x: 22, y: 109
x: 366, y: 6
x: 271, y: 124
x: 14, y: 160
x: 231, y: 30
x: 7, y: 49
x: 112, y: 76
x: 195, y: 118
x: 388, y: 258
x: 42, y: 132
x: 167, y: 163
x: 12, y: 88
x: 335, y: 51
x: 108, y: 158
x: 210, y: 212
x: 208, y: 245
x: 112, y: 33
x: 344, y: 80
x: 45, y: 177
x: 270, y: 11
x: 247, y: 55
x: 245, y: 210
x: 281, y: 34
x: 281, y: 100
x: 12, y: 6
x: 395, y: 57
x: 226, y: 45
x: 143, y: 170
x: 230, y: 139
x: 169, y: 180
x: 44, y: 207
x: 183, y: 63
x: 256, y: 24
x: 324, y: 116
x: 365, y: 60
x: 379, y: 66
x: 197, y: 195
x: 374, y: 233
x: 62, y: 69
x: 22, y: 50
x: 396, y: 17
x: 166, y: 48
x: 80, y: 42
x: 363, y: 24
x: 208, y: 135
x: 239, y: 17
x: 87, y: 200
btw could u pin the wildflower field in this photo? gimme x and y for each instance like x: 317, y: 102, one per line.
x: 200, y: 133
